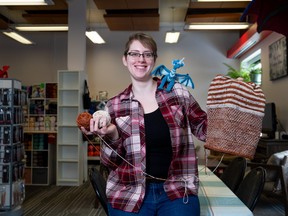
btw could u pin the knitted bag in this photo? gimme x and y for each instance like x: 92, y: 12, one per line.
x: 235, y: 110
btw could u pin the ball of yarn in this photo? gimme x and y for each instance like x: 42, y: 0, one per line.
x: 83, y: 120
x: 103, y: 116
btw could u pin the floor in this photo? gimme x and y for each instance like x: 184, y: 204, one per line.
x: 269, y: 206
x: 80, y: 201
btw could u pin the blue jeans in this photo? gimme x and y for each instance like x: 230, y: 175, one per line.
x: 157, y: 203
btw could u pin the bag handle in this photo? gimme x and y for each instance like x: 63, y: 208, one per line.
x: 86, y: 89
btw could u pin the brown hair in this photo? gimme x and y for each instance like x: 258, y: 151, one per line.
x: 145, y: 39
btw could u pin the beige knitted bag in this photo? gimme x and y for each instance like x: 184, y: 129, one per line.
x: 235, y: 110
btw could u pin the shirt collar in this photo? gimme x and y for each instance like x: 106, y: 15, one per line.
x: 127, y: 94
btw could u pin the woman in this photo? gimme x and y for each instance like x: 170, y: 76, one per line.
x: 148, y: 146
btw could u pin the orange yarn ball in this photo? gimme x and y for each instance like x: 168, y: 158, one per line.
x: 83, y: 120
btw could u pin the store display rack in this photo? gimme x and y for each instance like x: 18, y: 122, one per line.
x: 12, y: 184
x: 40, y: 134
x: 41, y: 112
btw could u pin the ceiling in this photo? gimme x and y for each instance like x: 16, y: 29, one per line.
x: 127, y: 15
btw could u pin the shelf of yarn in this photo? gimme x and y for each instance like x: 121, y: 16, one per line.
x: 93, y: 149
x: 40, y: 134
x: 41, y: 111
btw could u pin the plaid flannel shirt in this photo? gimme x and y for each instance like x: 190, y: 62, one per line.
x: 126, y: 184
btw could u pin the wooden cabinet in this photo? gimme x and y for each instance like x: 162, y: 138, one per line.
x: 71, y: 149
x: 267, y: 147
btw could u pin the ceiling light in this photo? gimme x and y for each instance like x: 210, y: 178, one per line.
x: 94, y: 37
x: 216, y: 26
x: 26, y: 2
x: 41, y: 27
x: 18, y: 37
x: 92, y: 34
x: 172, y: 37
x: 222, y: 0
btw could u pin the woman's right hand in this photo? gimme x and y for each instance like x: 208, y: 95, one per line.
x: 100, y: 127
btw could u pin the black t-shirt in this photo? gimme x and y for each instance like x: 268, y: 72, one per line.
x: 158, y: 145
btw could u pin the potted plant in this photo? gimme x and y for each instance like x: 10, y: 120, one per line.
x: 256, y: 75
x: 235, y: 74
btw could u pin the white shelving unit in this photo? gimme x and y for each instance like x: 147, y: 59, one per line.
x: 71, y: 149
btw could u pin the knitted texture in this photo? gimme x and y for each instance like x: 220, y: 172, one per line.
x: 235, y: 110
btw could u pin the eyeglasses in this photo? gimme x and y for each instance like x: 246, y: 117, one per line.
x: 146, y: 55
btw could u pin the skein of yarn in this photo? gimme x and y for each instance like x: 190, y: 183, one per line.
x: 103, y: 116
x: 83, y: 120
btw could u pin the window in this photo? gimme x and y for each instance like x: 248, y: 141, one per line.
x: 253, y: 64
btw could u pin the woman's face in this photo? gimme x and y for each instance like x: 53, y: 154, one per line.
x: 141, y: 66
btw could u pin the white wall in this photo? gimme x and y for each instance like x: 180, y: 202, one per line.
x: 275, y: 91
x: 33, y: 64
